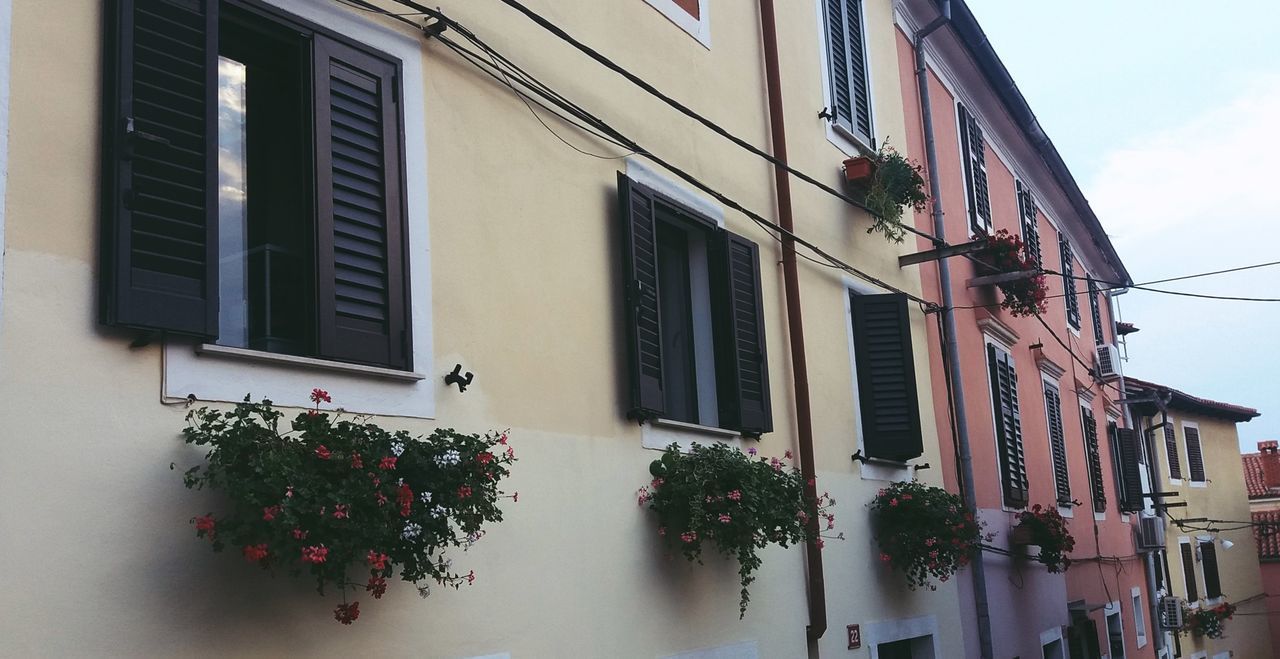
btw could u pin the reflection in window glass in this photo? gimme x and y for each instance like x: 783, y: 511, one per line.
x: 233, y: 217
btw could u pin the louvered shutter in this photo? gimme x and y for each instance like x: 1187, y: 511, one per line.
x: 159, y: 215
x: 1096, y: 310
x: 1171, y: 450
x: 846, y: 61
x: 888, y: 402
x: 1195, y: 458
x: 1209, y: 565
x: 748, y: 409
x: 1004, y: 397
x: 362, y: 291
x: 1057, y: 443
x: 1189, y: 571
x: 1069, y: 281
x: 640, y: 273
x: 975, y: 168
x: 1030, y: 225
x: 1093, y: 453
x: 1130, y: 469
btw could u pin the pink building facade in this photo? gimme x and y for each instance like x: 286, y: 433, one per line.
x: 1041, y: 416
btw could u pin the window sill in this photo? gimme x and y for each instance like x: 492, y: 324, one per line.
x: 696, y: 428
x: 227, y: 352
x: 1199, y: 484
x: 658, y: 434
x: 848, y: 144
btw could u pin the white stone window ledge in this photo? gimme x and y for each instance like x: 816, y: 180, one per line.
x: 227, y: 352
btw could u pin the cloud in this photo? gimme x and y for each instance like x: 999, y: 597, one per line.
x: 1195, y: 197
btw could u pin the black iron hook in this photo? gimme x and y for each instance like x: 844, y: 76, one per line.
x: 461, y: 380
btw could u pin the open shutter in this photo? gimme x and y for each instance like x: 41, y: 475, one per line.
x: 748, y: 408
x: 1130, y: 470
x: 1004, y: 396
x: 861, y: 120
x: 888, y: 402
x: 1195, y: 457
x: 975, y: 170
x: 159, y: 206
x: 1030, y: 225
x: 1096, y: 311
x: 1189, y: 571
x: 640, y: 273
x: 1093, y: 453
x: 1057, y: 443
x: 838, y: 62
x: 1069, y: 281
x: 1171, y: 450
x: 362, y: 291
x: 846, y: 62
x: 1209, y: 565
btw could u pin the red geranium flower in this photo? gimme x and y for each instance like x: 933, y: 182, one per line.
x: 485, y: 457
x: 388, y: 463
x: 204, y: 524
x: 269, y: 513
x: 322, y: 452
x: 404, y: 497
x: 464, y: 491
x: 377, y: 586
x: 376, y: 560
x: 314, y: 554
x: 356, y: 461
x: 347, y: 613
x: 320, y: 395
x: 255, y: 553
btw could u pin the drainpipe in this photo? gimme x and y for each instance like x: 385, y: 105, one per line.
x: 949, y: 327
x: 795, y: 327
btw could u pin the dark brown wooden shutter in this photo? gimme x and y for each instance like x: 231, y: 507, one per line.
x: 748, y: 408
x: 1096, y: 311
x: 1069, y: 281
x: 160, y: 155
x: 1130, y: 469
x: 861, y: 120
x: 1195, y: 456
x: 1093, y: 453
x: 1209, y: 565
x: 1171, y: 450
x: 1057, y: 443
x: 640, y: 274
x: 846, y: 61
x: 975, y: 170
x: 1004, y: 397
x: 1030, y: 225
x: 1189, y: 571
x: 887, y: 397
x: 838, y: 62
x: 362, y: 291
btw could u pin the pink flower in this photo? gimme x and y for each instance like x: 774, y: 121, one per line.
x: 752, y: 451
x: 255, y: 553
x: 471, y: 577
x: 464, y: 491
x: 269, y: 513
x: 906, y: 497
x: 380, y: 497
x: 893, y: 502
x: 656, y: 483
x: 388, y: 463
x: 735, y: 495
x: 320, y: 395
x: 485, y: 457
x: 356, y: 461
x: 511, y: 453
x: 315, y: 554
x: 299, y: 534
x: 787, y: 454
x: 204, y: 524
x: 885, y: 557
x: 929, y: 542
x: 322, y: 452
x: 347, y: 613
x: 377, y: 586
x: 689, y: 536
x: 933, y: 554
x: 376, y: 560
x: 503, y: 439
x: 643, y: 497
x: 725, y: 518
x: 341, y: 511
x: 288, y: 492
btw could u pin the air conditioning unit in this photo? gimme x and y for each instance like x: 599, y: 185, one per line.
x: 1171, y: 613
x: 1150, y: 532
x: 1108, y: 361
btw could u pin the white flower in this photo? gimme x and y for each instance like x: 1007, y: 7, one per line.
x: 425, y: 497
x: 439, y: 511
x: 411, y: 531
x: 448, y: 458
x: 397, y: 448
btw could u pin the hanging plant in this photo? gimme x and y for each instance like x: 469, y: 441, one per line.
x: 736, y: 501
x: 1006, y: 253
x: 331, y: 497
x: 1208, y: 621
x: 1046, y: 529
x: 925, y: 532
x: 890, y: 181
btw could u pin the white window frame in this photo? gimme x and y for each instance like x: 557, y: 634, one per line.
x: 699, y: 28
x: 1051, y: 635
x: 888, y: 631
x: 217, y: 373
x: 1187, y: 449
x: 871, y: 468
x: 849, y: 143
x: 1113, y: 609
x: 1056, y: 383
x: 1139, y: 617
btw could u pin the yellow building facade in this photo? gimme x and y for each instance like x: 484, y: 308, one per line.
x: 513, y: 260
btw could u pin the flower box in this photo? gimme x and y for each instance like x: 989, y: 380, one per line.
x: 924, y: 532
x: 859, y: 170
x: 1045, y: 529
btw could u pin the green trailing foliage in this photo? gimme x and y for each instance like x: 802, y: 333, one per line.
x: 924, y: 532
x: 895, y: 184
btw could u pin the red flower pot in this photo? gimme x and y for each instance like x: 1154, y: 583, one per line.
x: 859, y: 170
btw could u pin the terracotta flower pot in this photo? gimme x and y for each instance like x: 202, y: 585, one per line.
x: 859, y: 170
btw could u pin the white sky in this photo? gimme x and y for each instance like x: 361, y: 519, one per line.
x: 1168, y: 113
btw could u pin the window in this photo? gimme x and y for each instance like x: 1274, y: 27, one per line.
x: 1127, y: 455
x: 847, y: 68
x: 1057, y: 443
x: 1030, y: 225
x: 1093, y: 454
x: 1069, y: 281
x: 695, y: 326
x: 974, y: 151
x: 1139, y: 617
x: 889, y: 409
x: 1004, y: 401
x: 1171, y: 451
x: 1115, y: 631
x: 1209, y: 565
x: 1096, y: 312
x: 1188, y: 570
x: 253, y: 183
x: 1195, y: 456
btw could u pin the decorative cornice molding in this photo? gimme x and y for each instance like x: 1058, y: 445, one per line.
x: 998, y: 331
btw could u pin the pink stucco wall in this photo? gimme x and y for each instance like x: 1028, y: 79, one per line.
x: 1025, y: 599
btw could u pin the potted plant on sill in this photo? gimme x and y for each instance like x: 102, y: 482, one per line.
x: 1005, y: 253
x: 888, y: 182
x: 1046, y: 529
x: 925, y: 532
x: 328, y: 496
x: 1208, y: 621
x: 738, y: 502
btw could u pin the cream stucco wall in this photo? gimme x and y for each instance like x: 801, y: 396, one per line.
x: 524, y: 291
